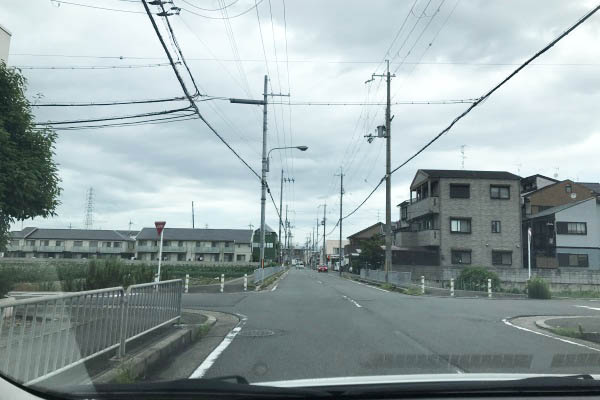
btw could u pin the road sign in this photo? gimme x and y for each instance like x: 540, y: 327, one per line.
x: 159, y: 226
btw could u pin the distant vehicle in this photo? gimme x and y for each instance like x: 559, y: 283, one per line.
x: 322, y: 268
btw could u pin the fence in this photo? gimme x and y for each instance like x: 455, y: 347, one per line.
x: 263, y: 273
x: 42, y: 337
x: 394, y: 277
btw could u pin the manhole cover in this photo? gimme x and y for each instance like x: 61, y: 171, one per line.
x: 257, y: 333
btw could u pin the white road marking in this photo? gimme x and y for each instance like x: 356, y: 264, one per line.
x: 591, y: 308
x: 352, y: 301
x: 549, y: 336
x: 214, y: 355
x: 373, y: 287
x: 273, y: 289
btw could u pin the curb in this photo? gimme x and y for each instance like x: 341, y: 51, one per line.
x: 276, y: 281
x: 140, y: 363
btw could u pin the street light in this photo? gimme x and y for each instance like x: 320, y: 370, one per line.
x: 301, y: 148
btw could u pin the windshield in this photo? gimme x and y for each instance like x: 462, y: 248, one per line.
x: 281, y: 190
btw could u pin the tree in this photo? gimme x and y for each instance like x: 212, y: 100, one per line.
x: 28, y: 174
x: 371, y: 252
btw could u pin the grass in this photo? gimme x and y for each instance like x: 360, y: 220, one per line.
x: 568, y: 332
x: 269, y: 280
x: 125, y: 374
x: 411, y: 291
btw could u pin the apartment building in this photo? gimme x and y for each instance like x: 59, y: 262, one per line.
x: 565, y: 236
x: 34, y: 242
x: 556, y: 194
x: 271, y: 245
x: 466, y: 217
x: 205, y: 245
x: 4, y: 43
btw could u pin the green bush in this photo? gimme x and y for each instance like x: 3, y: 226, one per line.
x: 537, y: 288
x: 476, y: 278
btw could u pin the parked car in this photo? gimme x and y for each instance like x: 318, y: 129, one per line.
x: 322, y: 268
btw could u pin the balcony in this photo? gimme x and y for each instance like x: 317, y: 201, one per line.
x: 45, y: 249
x: 208, y: 249
x: 429, y: 237
x: 173, y: 249
x: 109, y: 250
x: 422, y: 207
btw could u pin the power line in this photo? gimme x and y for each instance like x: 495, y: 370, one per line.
x: 479, y: 101
x: 109, y: 103
x: 73, y: 67
x: 96, y: 7
x: 149, y: 114
x: 210, y: 9
x: 358, y: 103
x: 154, y: 121
x: 186, y: 92
x: 229, y: 17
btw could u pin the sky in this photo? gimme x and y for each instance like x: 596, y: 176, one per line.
x: 545, y: 120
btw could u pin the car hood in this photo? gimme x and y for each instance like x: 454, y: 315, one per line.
x: 390, y: 379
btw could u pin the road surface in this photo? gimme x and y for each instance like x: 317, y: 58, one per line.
x: 320, y: 325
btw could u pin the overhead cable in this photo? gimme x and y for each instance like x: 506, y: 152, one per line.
x: 228, y: 17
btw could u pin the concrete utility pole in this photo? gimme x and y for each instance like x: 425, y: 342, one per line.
x: 317, y: 242
x: 286, y: 226
x: 341, y: 248
x: 324, y: 230
x: 193, y: 219
x: 386, y: 132
x: 312, y: 247
x: 280, y: 222
x: 263, y: 180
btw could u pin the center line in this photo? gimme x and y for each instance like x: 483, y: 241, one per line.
x: 591, y: 308
x: 352, y: 301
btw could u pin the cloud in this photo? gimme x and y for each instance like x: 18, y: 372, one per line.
x: 544, y: 119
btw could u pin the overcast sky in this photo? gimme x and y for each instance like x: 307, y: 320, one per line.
x: 544, y: 121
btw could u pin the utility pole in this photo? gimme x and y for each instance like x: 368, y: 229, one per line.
x: 386, y: 132
x: 263, y: 180
x: 324, y: 230
x: 341, y: 248
x: 286, y: 226
x: 280, y: 222
x: 193, y: 219
x: 317, y: 242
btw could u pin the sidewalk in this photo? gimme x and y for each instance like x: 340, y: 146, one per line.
x: 580, y: 327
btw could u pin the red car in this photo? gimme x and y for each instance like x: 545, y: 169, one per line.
x: 322, y: 268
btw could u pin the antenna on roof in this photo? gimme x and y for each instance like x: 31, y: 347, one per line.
x: 193, y: 219
x: 130, y: 223
x: 556, y: 172
x: 89, y: 209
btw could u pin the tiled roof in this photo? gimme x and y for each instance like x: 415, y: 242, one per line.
x: 236, y: 235
x: 71, y: 234
x: 465, y: 174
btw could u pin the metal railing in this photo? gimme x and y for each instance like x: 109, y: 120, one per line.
x: 44, y: 336
x: 261, y: 274
x: 394, y: 277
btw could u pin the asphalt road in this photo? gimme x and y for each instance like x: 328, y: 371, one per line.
x: 320, y: 325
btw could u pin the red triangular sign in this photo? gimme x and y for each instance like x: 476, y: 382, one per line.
x: 159, y: 226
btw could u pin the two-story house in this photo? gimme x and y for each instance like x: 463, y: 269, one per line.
x: 556, y: 194
x: 71, y: 243
x: 271, y: 245
x: 468, y: 217
x: 567, y: 235
x: 186, y: 244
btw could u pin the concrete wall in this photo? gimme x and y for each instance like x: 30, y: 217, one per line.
x: 482, y: 210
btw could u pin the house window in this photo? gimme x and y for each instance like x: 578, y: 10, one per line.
x: 78, y: 243
x: 59, y: 243
x: 14, y: 243
x: 198, y: 244
x: 117, y: 245
x: 93, y: 243
x: 571, y: 228
x: 31, y: 243
x: 573, y: 260
x: 213, y: 244
x: 496, y: 227
x: 227, y: 244
x: 568, y: 188
x: 404, y: 212
x: 166, y: 243
x: 106, y: 244
x: 459, y: 191
x: 501, y: 257
x: 460, y: 225
x: 500, y: 192
x: 142, y: 243
x: 180, y: 257
x: 155, y: 243
x: 240, y: 257
x: 461, y: 256
x: 180, y: 244
x: 45, y: 243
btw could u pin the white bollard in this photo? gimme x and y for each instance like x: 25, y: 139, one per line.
x: 222, y: 282
x: 245, y: 282
x: 489, y: 288
x: 187, y: 283
x: 422, y: 284
x: 452, y: 287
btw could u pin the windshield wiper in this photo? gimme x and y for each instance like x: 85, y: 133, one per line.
x: 185, y: 389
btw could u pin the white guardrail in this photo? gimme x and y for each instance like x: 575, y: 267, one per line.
x: 41, y: 337
x: 261, y: 274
